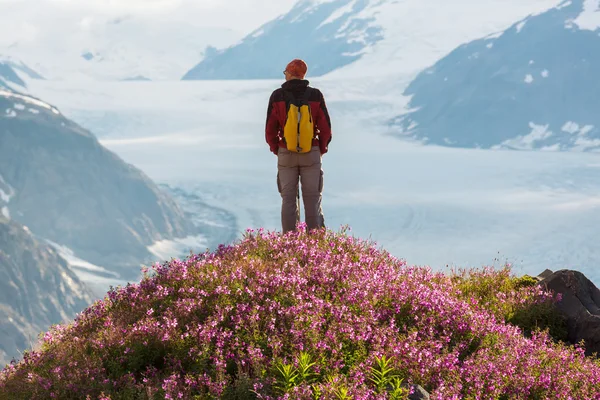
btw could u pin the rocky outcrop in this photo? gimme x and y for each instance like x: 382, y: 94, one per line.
x: 580, y: 305
x: 37, y: 289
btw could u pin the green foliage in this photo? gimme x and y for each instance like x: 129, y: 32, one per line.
x: 516, y: 300
x: 240, y: 389
x: 386, y: 378
x: 290, y: 376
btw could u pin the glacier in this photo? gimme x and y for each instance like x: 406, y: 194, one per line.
x: 430, y: 205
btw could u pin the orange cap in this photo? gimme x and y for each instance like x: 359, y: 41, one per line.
x: 297, y: 68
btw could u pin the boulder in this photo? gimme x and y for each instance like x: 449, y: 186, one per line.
x: 580, y: 305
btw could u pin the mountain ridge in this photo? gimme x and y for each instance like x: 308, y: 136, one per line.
x: 513, y: 90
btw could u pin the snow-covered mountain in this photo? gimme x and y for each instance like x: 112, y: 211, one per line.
x: 131, y: 47
x: 532, y: 86
x: 362, y: 37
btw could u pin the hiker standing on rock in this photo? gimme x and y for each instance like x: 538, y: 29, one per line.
x: 298, y: 132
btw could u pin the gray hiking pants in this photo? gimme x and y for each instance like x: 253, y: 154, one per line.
x: 305, y: 167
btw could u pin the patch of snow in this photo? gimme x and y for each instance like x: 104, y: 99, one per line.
x: 554, y: 147
x: 538, y: 133
x: 490, y: 45
x: 28, y: 99
x: 520, y: 26
x: 574, y: 128
x: 337, y: 14
x: 33, y: 111
x: 563, y: 5
x: 569, y: 24
x: 353, y: 53
x: 4, y: 196
x: 258, y: 33
x: 6, y: 193
x: 10, y: 113
x: 19, y: 106
x: 582, y: 144
x: 528, y: 78
x: 585, y: 130
x: 570, y: 127
x: 531, y: 62
x: 74, y: 261
x: 167, y: 249
x: 495, y: 35
x: 304, y: 14
x: 589, y: 19
x: 545, y: 73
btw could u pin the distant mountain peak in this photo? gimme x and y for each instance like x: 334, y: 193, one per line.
x: 534, y: 86
x: 327, y: 34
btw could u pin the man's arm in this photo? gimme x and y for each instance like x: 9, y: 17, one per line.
x: 272, y: 127
x: 324, y: 125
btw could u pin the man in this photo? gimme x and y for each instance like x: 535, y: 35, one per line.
x: 292, y: 165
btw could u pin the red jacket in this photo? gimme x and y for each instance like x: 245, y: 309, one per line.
x: 277, y: 111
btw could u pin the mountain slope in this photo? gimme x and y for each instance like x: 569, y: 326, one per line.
x: 534, y: 86
x: 308, y: 31
x: 8, y: 76
x: 362, y: 37
x: 66, y: 187
x: 37, y: 289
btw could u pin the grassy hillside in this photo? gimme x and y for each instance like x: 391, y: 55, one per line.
x: 303, y: 316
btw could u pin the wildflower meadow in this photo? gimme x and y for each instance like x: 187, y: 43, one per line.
x: 319, y: 315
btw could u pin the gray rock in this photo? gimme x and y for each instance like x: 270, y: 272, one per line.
x: 37, y: 289
x: 418, y: 393
x: 580, y: 305
x: 544, y: 274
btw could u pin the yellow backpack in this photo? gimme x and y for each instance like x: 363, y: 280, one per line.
x: 299, y: 129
